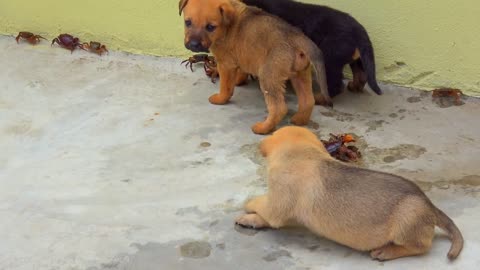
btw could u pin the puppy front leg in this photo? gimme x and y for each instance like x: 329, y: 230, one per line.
x: 261, y: 214
x: 227, y: 85
x: 253, y: 221
x: 254, y: 204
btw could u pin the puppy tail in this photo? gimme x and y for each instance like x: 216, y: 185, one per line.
x: 446, y: 224
x: 368, y: 61
x: 316, y: 59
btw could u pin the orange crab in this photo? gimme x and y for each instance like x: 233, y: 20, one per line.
x: 448, y: 92
x: 338, y: 149
x: 94, y: 47
x: 210, y: 65
x: 29, y: 37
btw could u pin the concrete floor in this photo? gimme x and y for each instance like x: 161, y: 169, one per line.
x: 120, y: 162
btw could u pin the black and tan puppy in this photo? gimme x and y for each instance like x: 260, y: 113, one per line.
x: 363, y: 209
x: 245, y: 40
x: 342, y: 39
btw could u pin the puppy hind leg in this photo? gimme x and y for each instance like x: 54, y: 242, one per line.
x: 334, y: 77
x: 302, y: 84
x: 412, y: 241
x: 273, y: 90
x: 227, y: 85
x: 393, y: 251
x: 241, y: 78
x: 335, y: 86
x: 359, y: 77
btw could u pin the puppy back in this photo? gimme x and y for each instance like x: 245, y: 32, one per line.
x: 367, y: 194
x: 252, y: 14
x: 347, y: 176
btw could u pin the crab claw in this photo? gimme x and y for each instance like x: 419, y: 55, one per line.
x: 82, y: 46
x: 348, y: 138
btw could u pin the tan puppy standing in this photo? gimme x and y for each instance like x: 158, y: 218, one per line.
x: 366, y: 210
x: 246, y: 40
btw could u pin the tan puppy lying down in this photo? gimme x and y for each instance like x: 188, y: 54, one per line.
x: 366, y: 210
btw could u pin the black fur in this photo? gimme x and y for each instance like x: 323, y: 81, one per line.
x: 336, y: 33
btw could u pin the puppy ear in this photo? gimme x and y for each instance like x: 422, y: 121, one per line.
x: 266, y: 146
x: 228, y: 13
x: 181, y: 6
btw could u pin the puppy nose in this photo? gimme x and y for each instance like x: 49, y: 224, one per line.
x: 194, y: 45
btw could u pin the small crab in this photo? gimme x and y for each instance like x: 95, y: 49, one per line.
x: 29, y: 37
x: 197, y: 58
x: 448, y: 92
x: 67, y: 41
x: 95, y: 47
x: 211, y: 70
x: 337, y: 148
x: 210, y: 65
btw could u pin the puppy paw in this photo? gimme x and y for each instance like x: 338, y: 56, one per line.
x: 299, y: 119
x: 352, y: 87
x: 321, y: 100
x: 253, y: 221
x: 262, y: 128
x: 378, y: 254
x: 218, y: 99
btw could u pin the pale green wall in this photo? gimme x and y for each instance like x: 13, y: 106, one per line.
x: 421, y: 43
x: 138, y: 26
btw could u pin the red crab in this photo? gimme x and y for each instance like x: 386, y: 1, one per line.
x: 448, y: 92
x: 210, y: 65
x: 337, y: 148
x: 67, y: 41
x: 29, y: 37
x: 95, y: 47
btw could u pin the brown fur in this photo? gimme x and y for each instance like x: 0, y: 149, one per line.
x: 356, y: 55
x: 247, y: 40
x: 363, y: 209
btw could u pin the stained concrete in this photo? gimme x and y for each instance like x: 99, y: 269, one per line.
x: 120, y: 162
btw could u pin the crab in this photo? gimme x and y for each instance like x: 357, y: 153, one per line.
x: 448, y: 92
x: 67, y: 41
x: 210, y: 65
x: 95, y: 47
x: 29, y: 37
x: 336, y: 147
x: 211, y: 71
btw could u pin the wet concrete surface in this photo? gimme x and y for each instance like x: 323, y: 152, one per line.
x: 120, y: 162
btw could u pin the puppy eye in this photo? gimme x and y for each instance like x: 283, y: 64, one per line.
x: 188, y: 23
x: 210, y: 28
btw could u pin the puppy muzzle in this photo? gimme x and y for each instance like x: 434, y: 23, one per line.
x: 196, y: 45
